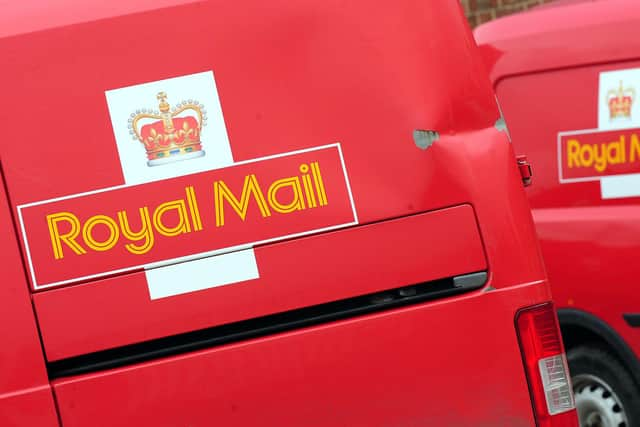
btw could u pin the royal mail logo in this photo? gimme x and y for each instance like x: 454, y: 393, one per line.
x: 126, y: 228
x: 590, y: 155
x: 184, y: 198
x: 609, y: 154
x: 169, y: 134
x: 620, y: 102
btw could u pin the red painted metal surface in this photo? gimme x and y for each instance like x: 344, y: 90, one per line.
x: 372, y: 371
x: 25, y: 394
x: 289, y: 76
x: 369, y: 259
x: 552, y: 38
x: 546, y: 74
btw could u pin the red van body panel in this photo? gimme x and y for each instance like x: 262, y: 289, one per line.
x: 554, y: 36
x: 589, y: 243
x: 312, y: 154
x: 388, y: 257
x: 566, y: 77
x: 23, y: 383
x: 305, y: 377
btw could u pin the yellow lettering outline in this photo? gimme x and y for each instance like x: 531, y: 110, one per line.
x: 145, y: 232
x: 69, y: 238
x: 183, y: 225
x: 298, y: 201
x: 222, y: 193
x: 93, y: 243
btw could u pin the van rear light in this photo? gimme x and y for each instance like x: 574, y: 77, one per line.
x: 556, y: 384
x: 546, y: 366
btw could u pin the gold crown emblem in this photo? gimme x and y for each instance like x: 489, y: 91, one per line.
x: 620, y: 102
x: 171, y: 133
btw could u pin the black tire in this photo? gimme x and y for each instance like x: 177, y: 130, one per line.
x: 603, y: 388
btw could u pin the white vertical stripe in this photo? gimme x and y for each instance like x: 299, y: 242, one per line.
x: 202, y: 274
x: 620, y: 186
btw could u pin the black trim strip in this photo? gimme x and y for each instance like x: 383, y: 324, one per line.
x: 271, y: 324
x: 632, y: 319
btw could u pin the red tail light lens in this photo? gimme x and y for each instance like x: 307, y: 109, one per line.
x: 546, y: 366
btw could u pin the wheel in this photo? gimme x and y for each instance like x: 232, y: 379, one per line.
x: 605, y: 393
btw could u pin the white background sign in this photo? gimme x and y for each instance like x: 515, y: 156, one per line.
x: 199, y: 87
x: 619, y: 186
x: 202, y: 273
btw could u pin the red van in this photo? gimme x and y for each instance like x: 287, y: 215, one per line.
x: 567, y: 76
x: 264, y: 214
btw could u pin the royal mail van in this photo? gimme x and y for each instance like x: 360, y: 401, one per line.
x: 264, y: 214
x: 567, y: 76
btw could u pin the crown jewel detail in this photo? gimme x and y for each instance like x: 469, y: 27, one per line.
x: 169, y: 134
x: 620, y: 102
